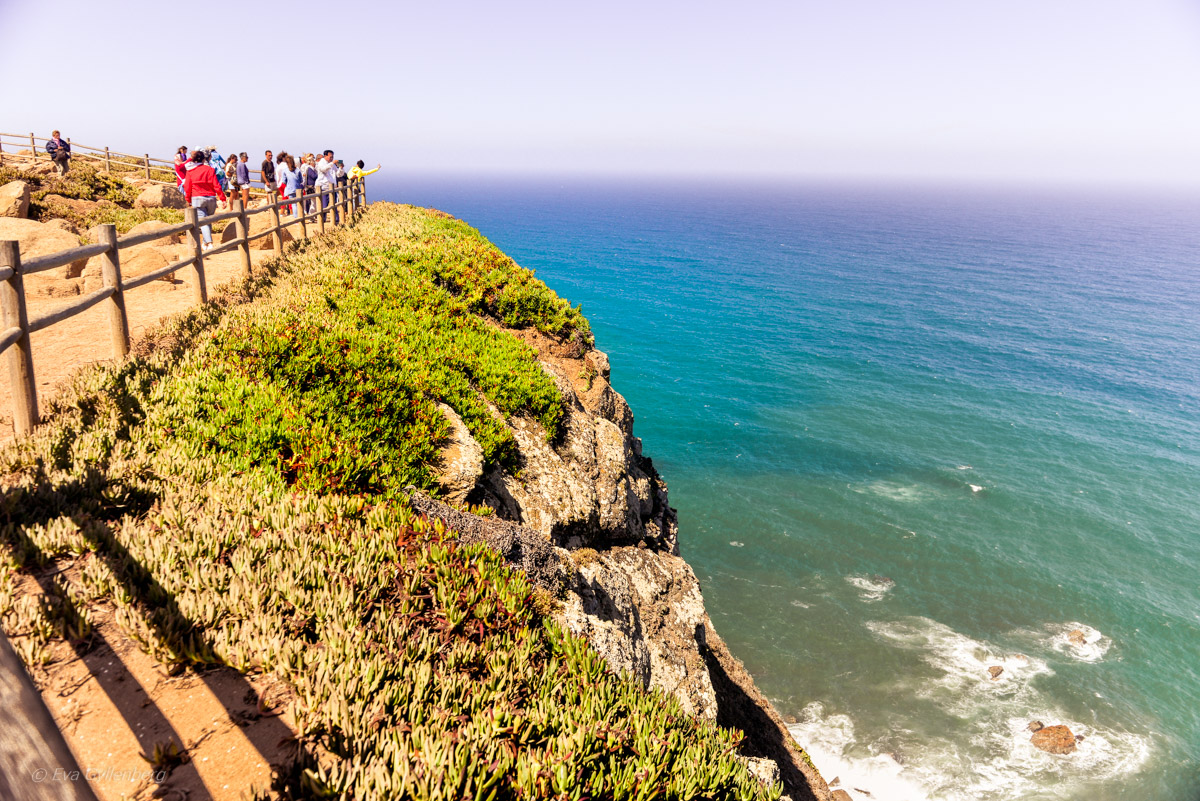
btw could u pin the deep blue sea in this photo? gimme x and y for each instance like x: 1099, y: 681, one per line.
x: 913, y: 434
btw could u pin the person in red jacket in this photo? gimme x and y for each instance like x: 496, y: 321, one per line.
x: 201, y: 189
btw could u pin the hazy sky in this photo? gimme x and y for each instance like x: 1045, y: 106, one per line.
x: 1052, y: 90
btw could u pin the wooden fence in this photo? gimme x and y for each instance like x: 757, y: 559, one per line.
x: 12, y: 144
x: 348, y: 199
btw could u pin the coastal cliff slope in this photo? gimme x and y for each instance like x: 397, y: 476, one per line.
x: 392, y: 477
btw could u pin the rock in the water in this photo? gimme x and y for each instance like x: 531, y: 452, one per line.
x: 1077, y: 638
x: 14, y: 199
x: 1036, y: 725
x: 994, y: 671
x: 841, y: 795
x: 461, y: 461
x: 160, y: 197
x: 1054, y: 739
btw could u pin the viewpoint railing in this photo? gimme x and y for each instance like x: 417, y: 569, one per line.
x: 349, y: 199
x: 12, y: 145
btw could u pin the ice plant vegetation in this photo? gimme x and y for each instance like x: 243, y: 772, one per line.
x: 234, y: 494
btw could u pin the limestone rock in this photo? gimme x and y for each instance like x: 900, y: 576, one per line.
x: 1054, y: 739
x: 14, y: 199
x: 135, y: 261
x: 642, y: 611
x: 461, y: 460
x: 39, y: 239
x: 258, y: 224
x: 65, y: 225
x: 1077, y: 638
x: 160, y: 197
x: 153, y: 225
x: 1036, y: 725
x: 994, y: 671
x: 765, y: 770
x: 590, y: 487
x: 840, y: 795
x: 598, y: 361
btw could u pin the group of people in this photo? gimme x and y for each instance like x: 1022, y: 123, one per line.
x: 204, y: 176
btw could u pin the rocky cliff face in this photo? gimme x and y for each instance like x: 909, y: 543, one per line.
x: 587, y: 517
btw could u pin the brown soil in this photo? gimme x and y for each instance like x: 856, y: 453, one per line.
x: 63, y: 348
x: 116, y: 706
x: 114, y: 703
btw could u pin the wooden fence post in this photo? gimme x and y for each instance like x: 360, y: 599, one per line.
x: 107, y: 162
x: 276, y: 233
x: 20, y: 356
x: 192, y: 218
x: 110, y: 272
x: 35, y: 761
x: 300, y: 208
x: 33, y: 145
x: 147, y: 165
x: 243, y: 233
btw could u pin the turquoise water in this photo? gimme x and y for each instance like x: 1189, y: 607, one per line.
x: 912, y: 435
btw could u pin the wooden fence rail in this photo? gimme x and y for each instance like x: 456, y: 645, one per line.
x: 104, y: 155
x: 343, y: 201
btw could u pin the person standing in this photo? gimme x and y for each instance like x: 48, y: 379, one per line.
x: 268, y: 173
x: 59, y: 151
x: 289, y: 181
x: 308, y: 174
x: 181, y: 162
x: 231, y: 176
x: 357, y: 170
x: 243, y: 177
x: 326, y: 181
x: 201, y: 190
x: 217, y: 162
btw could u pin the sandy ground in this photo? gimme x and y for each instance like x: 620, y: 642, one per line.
x: 114, y: 703
x: 61, y: 349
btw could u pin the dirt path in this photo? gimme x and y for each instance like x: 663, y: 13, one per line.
x: 63, y: 348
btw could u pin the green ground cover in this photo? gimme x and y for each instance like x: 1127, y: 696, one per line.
x: 184, y: 486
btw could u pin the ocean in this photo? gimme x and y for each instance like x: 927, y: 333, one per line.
x: 913, y: 434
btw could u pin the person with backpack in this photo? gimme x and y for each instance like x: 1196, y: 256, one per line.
x: 59, y: 151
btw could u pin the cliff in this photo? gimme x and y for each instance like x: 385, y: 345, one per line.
x: 385, y: 496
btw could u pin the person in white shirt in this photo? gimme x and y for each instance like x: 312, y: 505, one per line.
x: 327, y: 182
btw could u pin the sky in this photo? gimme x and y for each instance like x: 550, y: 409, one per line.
x: 1052, y: 91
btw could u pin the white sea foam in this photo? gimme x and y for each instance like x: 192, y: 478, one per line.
x: 737, y: 544
x: 1093, y: 648
x: 975, y: 487
x: 988, y: 756
x: 871, y: 588
x: 894, y: 491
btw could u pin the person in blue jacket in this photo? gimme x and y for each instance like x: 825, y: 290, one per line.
x: 59, y: 151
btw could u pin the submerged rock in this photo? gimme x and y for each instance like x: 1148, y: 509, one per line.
x: 994, y: 671
x: 1054, y: 739
x: 1077, y: 638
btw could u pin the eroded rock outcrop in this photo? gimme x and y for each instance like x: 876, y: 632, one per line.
x: 587, y: 516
